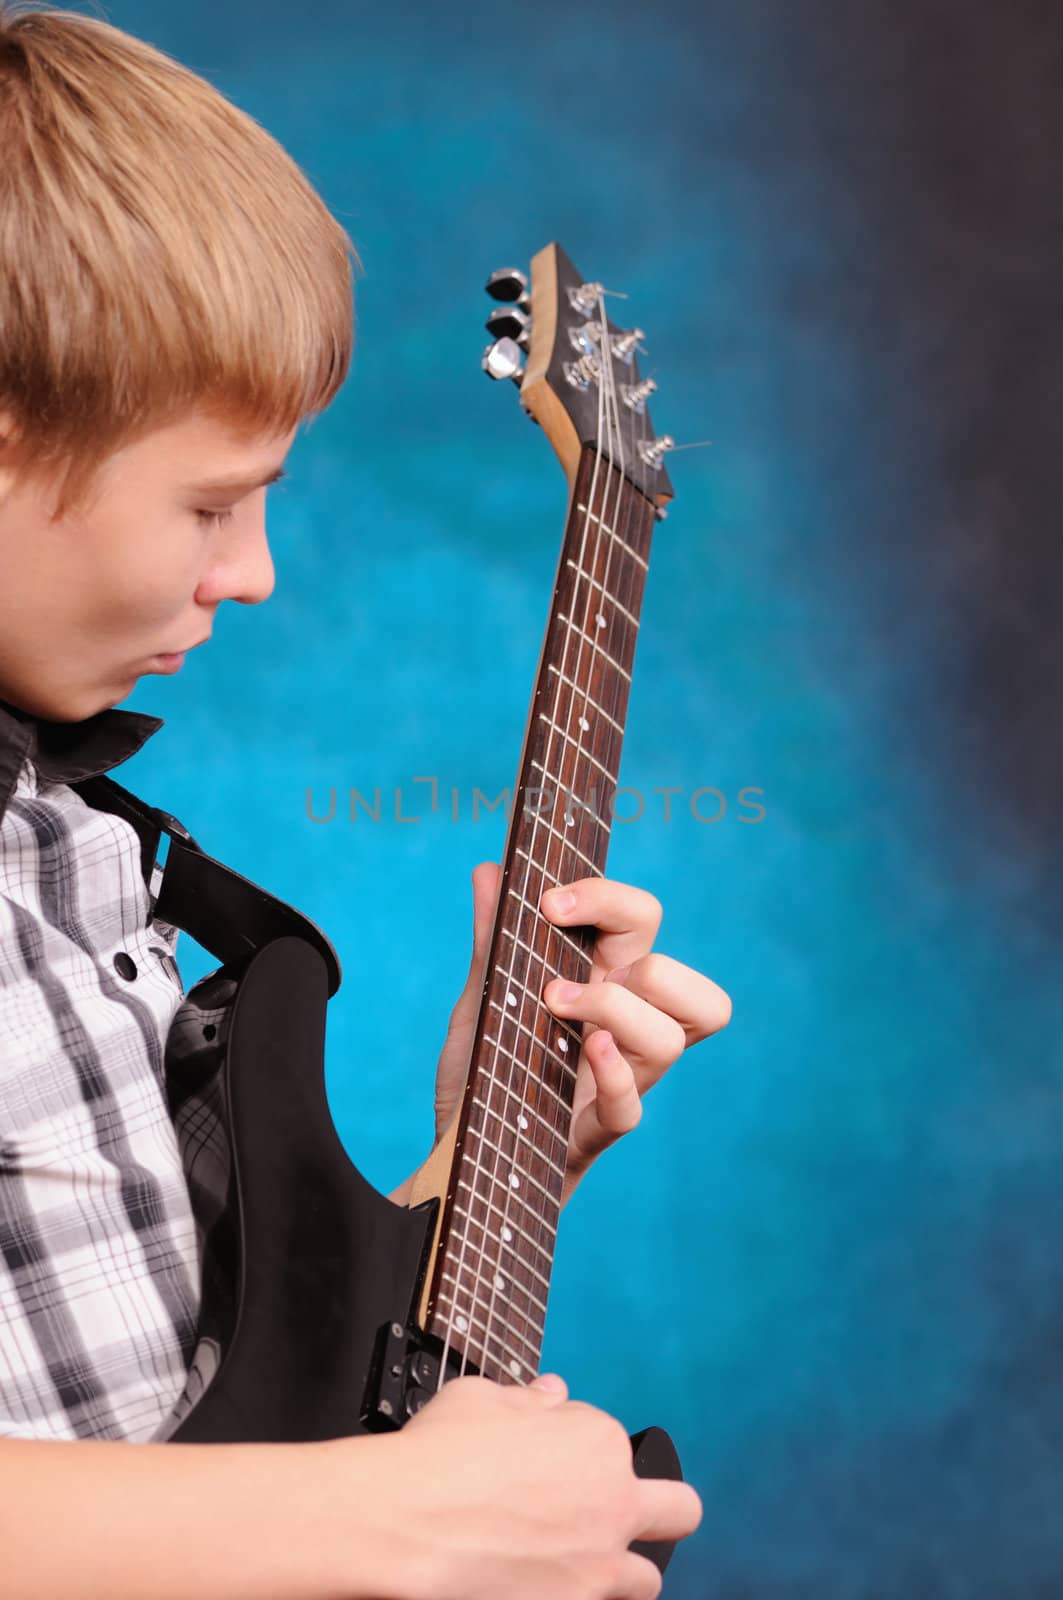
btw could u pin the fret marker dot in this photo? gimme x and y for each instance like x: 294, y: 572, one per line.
x: 522, y: 1122
x: 570, y: 821
x: 462, y: 1324
x: 600, y: 620
x: 584, y: 724
x: 500, y: 1282
x: 562, y: 1043
x: 511, y: 998
x: 507, y: 1234
x: 514, y: 1181
x: 514, y: 1367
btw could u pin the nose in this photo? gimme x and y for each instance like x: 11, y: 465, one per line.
x: 242, y: 567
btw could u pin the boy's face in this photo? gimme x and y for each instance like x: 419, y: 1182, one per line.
x: 175, y: 525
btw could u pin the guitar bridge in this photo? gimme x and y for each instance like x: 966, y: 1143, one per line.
x: 405, y: 1375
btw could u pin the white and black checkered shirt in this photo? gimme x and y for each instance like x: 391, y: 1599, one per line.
x: 105, y: 1198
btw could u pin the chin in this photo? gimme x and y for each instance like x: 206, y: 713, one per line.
x: 79, y: 708
x: 66, y: 703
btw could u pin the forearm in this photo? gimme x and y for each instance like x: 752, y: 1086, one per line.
x: 217, y: 1521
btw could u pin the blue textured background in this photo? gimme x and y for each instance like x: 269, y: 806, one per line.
x: 830, y: 1260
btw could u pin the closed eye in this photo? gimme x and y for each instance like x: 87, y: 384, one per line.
x: 215, y: 519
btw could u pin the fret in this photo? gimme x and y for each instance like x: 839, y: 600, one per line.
x: 591, y: 517
x: 475, y: 1345
x: 596, y: 664
x: 551, y: 927
x: 515, y: 1372
x: 492, y: 1206
x: 579, y: 938
x: 514, y: 1165
x: 520, y: 851
x: 594, y: 643
x: 537, y: 819
x: 523, y: 1109
x: 556, y: 726
x: 581, y: 751
x: 558, y: 1168
x: 550, y: 667
x: 507, y: 1244
x: 509, y: 1224
x: 609, y: 595
x: 546, y: 976
x: 563, y: 792
x: 511, y: 1156
x: 511, y: 1283
x: 520, y: 899
x: 557, y: 791
x: 464, y: 1300
x: 537, y: 954
x: 518, y: 1259
x: 476, y: 1285
x: 540, y: 1083
x: 509, y: 1012
x: 492, y: 1338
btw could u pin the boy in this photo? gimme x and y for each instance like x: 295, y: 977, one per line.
x: 174, y: 300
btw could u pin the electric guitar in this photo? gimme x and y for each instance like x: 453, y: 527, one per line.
x: 339, y: 1312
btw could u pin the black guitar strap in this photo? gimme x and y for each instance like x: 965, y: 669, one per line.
x: 227, y: 914
x: 232, y: 918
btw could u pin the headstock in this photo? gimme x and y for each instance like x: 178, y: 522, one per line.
x: 582, y: 381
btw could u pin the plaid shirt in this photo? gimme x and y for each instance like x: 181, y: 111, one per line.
x: 108, y: 1189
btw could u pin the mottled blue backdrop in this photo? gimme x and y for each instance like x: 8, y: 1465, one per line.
x: 831, y: 1259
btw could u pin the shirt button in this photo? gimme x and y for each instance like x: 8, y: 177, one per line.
x: 125, y: 966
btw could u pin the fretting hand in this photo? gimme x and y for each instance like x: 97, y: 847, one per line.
x: 640, y: 1009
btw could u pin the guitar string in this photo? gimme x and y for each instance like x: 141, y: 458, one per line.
x: 492, y: 1078
x: 554, y: 724
x: 606, y: 519
x: 609, y: 529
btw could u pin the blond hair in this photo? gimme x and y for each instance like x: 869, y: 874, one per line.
x: 159, y: 252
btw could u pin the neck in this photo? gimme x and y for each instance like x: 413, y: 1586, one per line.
x: 488, y: 1290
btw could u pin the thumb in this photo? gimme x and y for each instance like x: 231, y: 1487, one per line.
x: 453, y: 1059
x: 485, y: 885
x: 486, y: 879
x: 551, y: 1386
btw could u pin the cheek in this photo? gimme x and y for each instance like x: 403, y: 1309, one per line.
x: 149, y: 586
x: 133, y: 611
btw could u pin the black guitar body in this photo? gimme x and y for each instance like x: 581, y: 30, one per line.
x: 321, y: 1341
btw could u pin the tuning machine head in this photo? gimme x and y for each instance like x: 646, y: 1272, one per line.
x: 504, y: 359
x: 510, y: 285
x: 510, y: 322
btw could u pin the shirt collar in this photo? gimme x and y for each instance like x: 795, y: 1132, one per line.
x: 64, y: 752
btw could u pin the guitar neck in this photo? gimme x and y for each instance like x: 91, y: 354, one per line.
x: 488, y: 1289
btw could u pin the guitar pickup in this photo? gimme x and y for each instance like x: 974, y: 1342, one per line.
x: 405, y: 1375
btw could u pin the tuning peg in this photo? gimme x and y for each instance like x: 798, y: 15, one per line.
x: 635, y: 395
x: 652, y: 450
x: 504, y: 359
x: 586, y: 298
x: 624, y: 347
x: 509, y: 284
x: 510, y: 322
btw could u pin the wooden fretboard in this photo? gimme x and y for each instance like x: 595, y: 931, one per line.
x: 488, y: 1293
